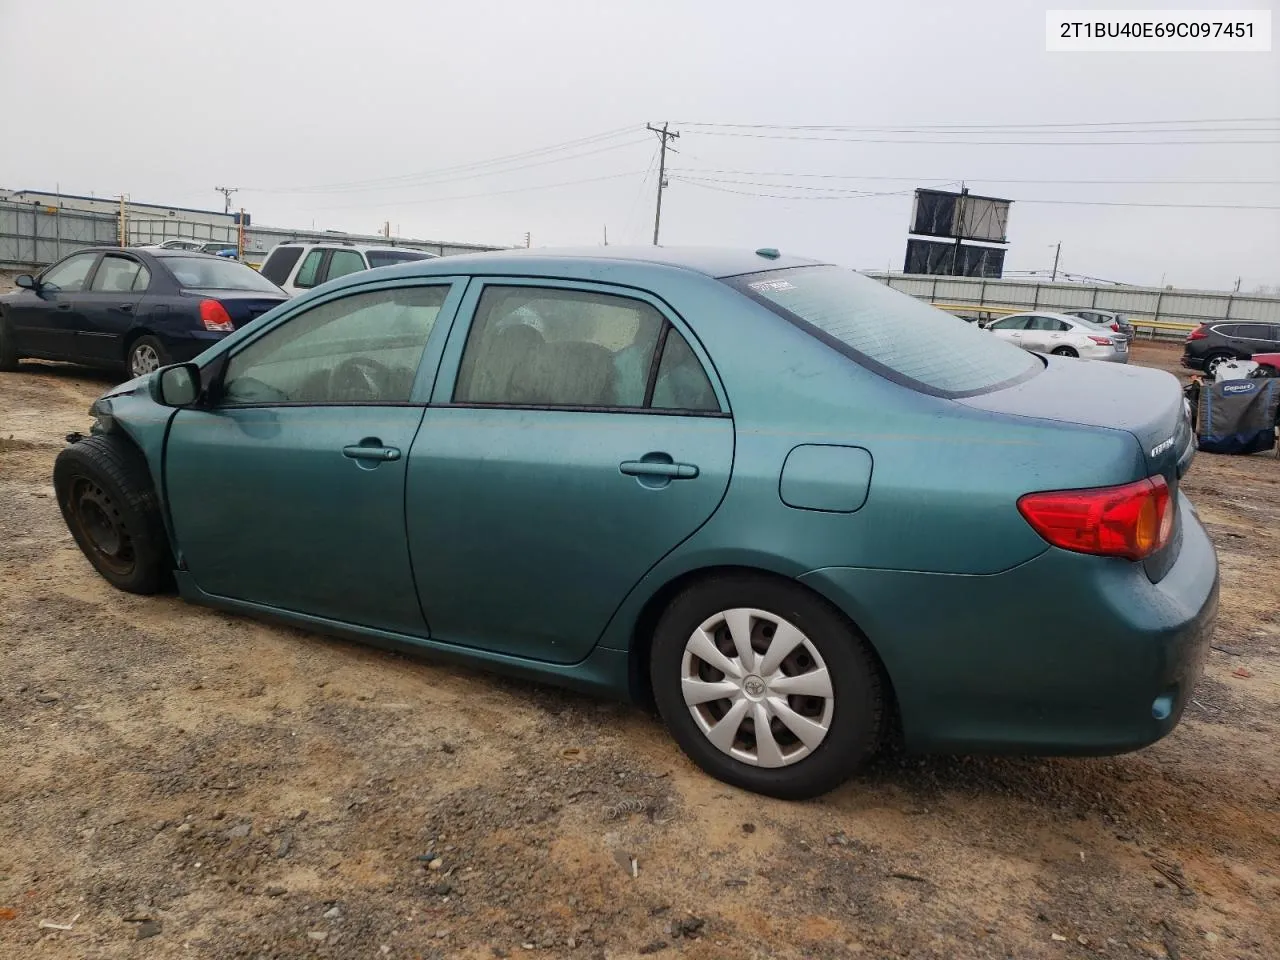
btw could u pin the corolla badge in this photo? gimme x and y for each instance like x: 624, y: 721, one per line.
x: 1161, y: 447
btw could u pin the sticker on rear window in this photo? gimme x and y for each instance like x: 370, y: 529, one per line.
x: 771, y: 286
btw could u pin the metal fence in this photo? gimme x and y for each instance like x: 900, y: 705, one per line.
x: 1156, y: 310
x: 33, y: 235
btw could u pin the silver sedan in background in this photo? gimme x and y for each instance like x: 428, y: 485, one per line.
x: 1061, y: 335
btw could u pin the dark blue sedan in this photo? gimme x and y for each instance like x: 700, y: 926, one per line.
x: 138, y: 309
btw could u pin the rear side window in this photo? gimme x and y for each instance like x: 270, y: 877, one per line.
x: 888, y: 332
x: 280, y: 262
x: 343, y: 262
x: 309, y: 269
x: 531, y: 346
x: 116, y: 275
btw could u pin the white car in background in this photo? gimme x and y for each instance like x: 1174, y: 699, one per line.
x: 297, y: 267
x: 1061, y: 335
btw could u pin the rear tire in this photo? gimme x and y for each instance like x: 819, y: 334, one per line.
x: 822, y: 704
x: 1066, y: 352
x: 145, y: 355
x: 1213, y: 361
x: 110, y: 506
x: 8, y: 351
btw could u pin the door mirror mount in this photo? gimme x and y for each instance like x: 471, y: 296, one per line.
x: 26, y: 281
x: 177, y: 385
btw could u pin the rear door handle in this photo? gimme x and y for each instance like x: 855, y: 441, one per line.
x: 127, y: 307
x: 657, y: 468
x: 64, y: 306
x: 359, y: 451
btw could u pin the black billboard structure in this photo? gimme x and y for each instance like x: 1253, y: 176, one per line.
x: 957, y: 217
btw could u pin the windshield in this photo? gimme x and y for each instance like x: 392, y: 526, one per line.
x: 891, y: 333
x: 209, y: 274
x: 382, y: 258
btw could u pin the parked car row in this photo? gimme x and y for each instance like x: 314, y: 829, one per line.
x: 1062, y: 335
x: 143, y: 307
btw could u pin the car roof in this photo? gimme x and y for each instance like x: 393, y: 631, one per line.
x: 158, y: 252
x: 345, y: 245
x: 716, y: 262
x: 1048, y: 313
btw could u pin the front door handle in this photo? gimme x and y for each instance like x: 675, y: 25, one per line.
x: 371, y: 451
x: 659, y: 468
x: 127, y: 307
x: 64, y: 306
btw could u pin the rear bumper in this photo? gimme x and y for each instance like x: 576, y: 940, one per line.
x: 1065, y: 654
x: 189, y: 344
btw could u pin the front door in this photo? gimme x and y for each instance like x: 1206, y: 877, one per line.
x: 109, y: 308
x: 574, y: 440
x: 46, y: 322
x: 289, y: 490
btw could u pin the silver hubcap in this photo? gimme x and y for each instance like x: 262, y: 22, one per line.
x: 145, y: 359
x: 757, y: 687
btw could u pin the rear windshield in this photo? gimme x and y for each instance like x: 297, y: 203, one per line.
x: 208, y: 273
x: 382, y: 258
x: 895, y: 335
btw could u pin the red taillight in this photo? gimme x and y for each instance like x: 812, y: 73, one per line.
x: 1199, y: 333
x: 1132, y: 521
x: 1101, y: 341
x: 214, y: 316
x: 1115, y: 328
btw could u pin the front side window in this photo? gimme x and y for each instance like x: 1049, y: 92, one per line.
x: 890, y: 333
x: 343, y: 262
x: 359, y: 349
x: 116, y: 275
x: 533, y: 346
x: 69, y: 275
x: 309, y: 270
x: 1009, y: 323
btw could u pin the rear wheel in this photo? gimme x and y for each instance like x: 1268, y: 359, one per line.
x: 109, y: 505
x: 1066, y: 352
x: 766, y: 687
x: 145, y: 355
x: 1215, y: 360
x: 8, y: 350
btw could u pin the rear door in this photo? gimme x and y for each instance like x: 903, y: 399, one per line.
x: 574, y: 439
x: 45, y: 323
x: 110, y: 306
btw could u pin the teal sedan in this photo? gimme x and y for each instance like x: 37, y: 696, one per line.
x: 797, y: 511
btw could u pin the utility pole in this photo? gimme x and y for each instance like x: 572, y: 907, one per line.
x: 123, y: 231
x: 386, y: 229
x: 1237, y: 289
x: 955, y: 256
x: 240, y: 237
x: 527, y: 239
x: 663, y: 135
x: 1056, y: 254
x: 226, y: 193
x: 606, y: 243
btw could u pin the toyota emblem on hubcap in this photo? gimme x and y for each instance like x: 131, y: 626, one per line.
x: 753, y: 687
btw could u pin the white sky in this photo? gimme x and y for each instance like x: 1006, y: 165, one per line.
x: 165, y: 100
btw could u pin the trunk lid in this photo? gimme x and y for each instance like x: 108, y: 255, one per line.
x: 1146, y: 403
x: 242, y: 306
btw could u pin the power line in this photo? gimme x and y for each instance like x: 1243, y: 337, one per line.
x: 475, y: 196
x: 709, y: 184
x: 393, y: 180
x: 993, y: 143
x: 466, y: 176
x: 975, y: 127
x: 855, y: 176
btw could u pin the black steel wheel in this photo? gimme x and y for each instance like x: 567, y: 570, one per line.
x: 109, y: 505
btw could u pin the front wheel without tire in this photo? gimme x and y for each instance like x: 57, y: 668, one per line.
x: 766, y: 687
x: 109, y: 505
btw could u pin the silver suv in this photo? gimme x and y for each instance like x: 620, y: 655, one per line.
x: 297, y: 267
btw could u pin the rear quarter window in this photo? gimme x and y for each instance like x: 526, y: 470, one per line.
x: 280, y: 262
x: 891, y: 333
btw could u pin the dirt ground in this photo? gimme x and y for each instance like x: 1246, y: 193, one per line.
x: 175, y: 782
